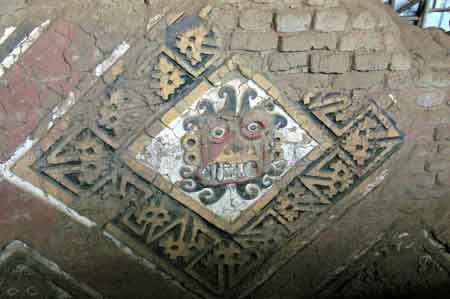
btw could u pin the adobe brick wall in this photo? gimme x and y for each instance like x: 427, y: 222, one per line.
x: 355, y: 47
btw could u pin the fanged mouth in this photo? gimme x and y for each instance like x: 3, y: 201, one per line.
x: 225, y: 173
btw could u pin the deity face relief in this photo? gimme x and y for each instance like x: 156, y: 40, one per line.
x: 236, y: 146
x: 226, y: 147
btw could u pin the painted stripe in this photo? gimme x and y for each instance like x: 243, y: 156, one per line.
x: 6, y: 34
x: 22, y: 47
x: 61, y: 109
x: 58, y: 112
x: 5, y: 171
x: 153, y: 21
x: 116, y: 54
x: 14, y: 39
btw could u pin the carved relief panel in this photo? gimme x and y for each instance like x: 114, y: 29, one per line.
x: 202, y: 165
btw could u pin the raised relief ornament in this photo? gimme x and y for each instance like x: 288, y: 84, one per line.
x: 202, y: 165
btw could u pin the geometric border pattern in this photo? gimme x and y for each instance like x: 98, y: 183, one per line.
x: 152, y: 217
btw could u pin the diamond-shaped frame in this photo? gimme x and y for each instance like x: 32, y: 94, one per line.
x: 252, y: 226
x: 386, y: 138
x: 46, y: 167
x: 232, y: 67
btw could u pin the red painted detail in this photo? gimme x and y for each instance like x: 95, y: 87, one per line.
x: 45, y: 71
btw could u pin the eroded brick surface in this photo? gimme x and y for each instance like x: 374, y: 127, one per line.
x: 254, y: 41
x: 334, y: 19
x: 330, y: 63
x: 343, y: 74
x: 292, y: 21
x: 372, y: 61
x: 288, y: 61
x: 307, y: 41
x: 43, y: 76
x: 256, y: 19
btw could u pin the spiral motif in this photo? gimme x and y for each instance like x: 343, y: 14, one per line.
x: 207, y: 196
x: 188, y: 185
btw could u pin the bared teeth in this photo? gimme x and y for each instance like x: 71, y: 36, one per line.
x: 221, y: 172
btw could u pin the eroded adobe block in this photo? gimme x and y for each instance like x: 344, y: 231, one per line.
x: 330, y: 62
x: 361, y: 40
x: 254, y: 41
x: 288, y: 61
x: 256, y: 19
x: 363, y: 20
x: 293, y: 21
x: 305, y: 41
x: 401, y: 61
x: 377, y: 61
x: 333, y: 19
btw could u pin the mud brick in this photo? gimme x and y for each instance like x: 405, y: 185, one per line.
x: 376, y: 61
x: 288, y: 61
x: 228, y: 19
x: 333, y: 19
x: 293, y: 21
x: 254, y: 41
x: 306, y: 41
x: 330, y: 62
x: 364, y: 20
x: 361, y: 40
x: 256, y: 19
x: 400, y: 62
x: 44, y: 73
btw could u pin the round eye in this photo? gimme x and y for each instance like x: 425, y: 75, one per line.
x: 253, y: 127
x: 253, y: 130
x: 218, y: 132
